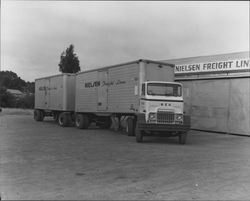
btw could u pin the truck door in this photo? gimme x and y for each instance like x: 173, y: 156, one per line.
x: 102, y: 91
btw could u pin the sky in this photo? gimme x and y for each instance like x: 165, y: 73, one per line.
x: 35, y: 33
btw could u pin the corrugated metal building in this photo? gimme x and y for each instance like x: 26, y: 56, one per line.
x: 216, y: 91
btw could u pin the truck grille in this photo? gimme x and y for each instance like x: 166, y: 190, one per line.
x: 165, y: 117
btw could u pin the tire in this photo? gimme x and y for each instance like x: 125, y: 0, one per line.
x: 55, y: 116
x: 183, y: 138
x: 38, y: 115
x: 130, y: 127
x: 64, y: 119
x: 41, y: 115
x: 139, y: 136
x: 82, y: 121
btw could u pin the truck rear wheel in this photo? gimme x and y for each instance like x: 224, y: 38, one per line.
x: 38, y: 115
x: 82, y: 121
x: 139, y: 135
x: 64, y: 119
x: 130, y: 127
x: 183, y: 138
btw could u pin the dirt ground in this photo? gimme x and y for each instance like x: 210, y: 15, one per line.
x: 40, y: 160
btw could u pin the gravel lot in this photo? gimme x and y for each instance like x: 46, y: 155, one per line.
x: 40, y: 160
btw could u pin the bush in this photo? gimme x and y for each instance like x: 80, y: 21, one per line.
x: 9, y: 100
x: 26, y: 102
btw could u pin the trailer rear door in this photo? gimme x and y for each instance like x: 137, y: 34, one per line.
x: 102, y: 91
x: 47, y: 93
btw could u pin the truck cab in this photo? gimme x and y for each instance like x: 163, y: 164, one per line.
x: 161, y: 111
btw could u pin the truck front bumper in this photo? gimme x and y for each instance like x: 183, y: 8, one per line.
x: 143, y: 125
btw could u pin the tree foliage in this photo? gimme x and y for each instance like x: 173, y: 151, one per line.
x: 7, y: 99
x: 69, y: 62
x: 10, y: 80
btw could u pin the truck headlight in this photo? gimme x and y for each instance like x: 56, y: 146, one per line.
x: 152, y: 116
x: 178, y: 117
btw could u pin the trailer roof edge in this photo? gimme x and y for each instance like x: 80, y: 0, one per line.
x: 55, y: 75
x: 127, y: 63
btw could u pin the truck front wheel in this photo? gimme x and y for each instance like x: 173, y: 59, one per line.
x: 38, y: 115
x: 183, y: 138
x: 64, y: 119
x: 130, y: 127
x: 82, y: 121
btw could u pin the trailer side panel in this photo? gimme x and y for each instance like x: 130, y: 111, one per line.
x: 69, y: 100
x: 124, y: 89
x: 112, y: 90
x: 55, y: 93
x: 86, y: 91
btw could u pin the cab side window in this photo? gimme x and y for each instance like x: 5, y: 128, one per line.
x: 143, y: 90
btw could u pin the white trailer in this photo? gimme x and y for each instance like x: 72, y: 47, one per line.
x: 55, y: 96
x: 143, y: 91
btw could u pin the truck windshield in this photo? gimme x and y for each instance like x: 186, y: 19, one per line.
x: 164, y: 89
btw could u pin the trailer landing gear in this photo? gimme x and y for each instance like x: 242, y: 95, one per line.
x: 130, y: 126
x: 104, y: 122
x: 38, y: 115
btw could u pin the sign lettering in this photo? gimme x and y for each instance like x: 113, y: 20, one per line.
x: 213, y: 66
x: 104, y: 83
x: 92, y: 84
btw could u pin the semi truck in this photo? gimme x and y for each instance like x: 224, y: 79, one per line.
x: 142, y: 91
x: 55, y: 96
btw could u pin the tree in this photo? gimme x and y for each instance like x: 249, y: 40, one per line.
x: 6, y: 99
x: 69, y: 61
x: 11, y: 80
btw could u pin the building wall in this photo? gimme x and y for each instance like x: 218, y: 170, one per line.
x: 217, y: 100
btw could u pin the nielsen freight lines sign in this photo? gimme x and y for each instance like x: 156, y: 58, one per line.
x: 229, y: 65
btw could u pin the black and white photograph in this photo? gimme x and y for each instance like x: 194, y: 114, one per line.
x: 124, y: 100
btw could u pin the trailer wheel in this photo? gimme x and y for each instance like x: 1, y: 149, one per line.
x: 78, y: 121
x: 183, y: 138
x: 41, y: 115
x: 64, y: 119
x: 139, y: 135
x: 130, y: 127
x: 38, y: 115
x: 82, y: 121
x: 55, y: 116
